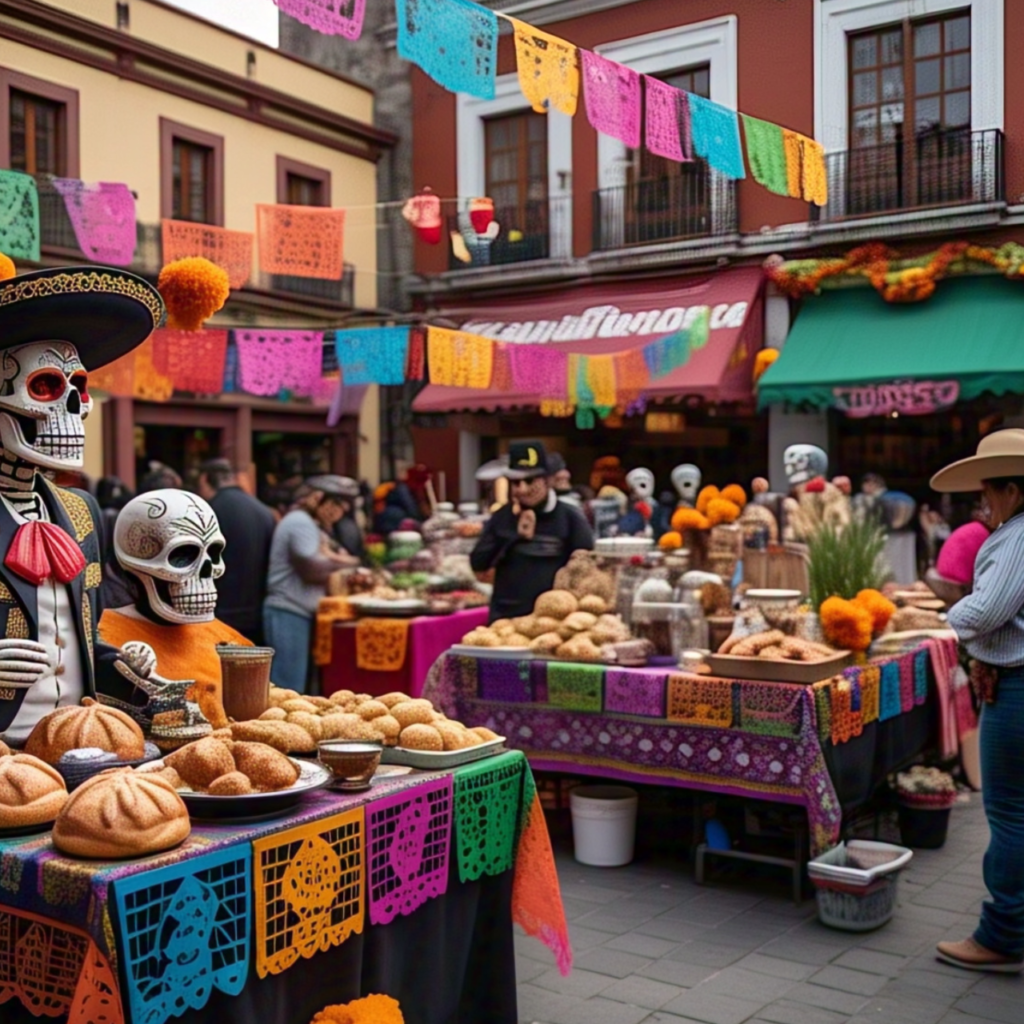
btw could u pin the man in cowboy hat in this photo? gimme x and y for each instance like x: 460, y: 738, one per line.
x: 990, y: 623
x: 529, y: 540
x: 56, y: 326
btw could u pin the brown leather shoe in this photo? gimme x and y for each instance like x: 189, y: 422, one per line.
x: 973, y: 956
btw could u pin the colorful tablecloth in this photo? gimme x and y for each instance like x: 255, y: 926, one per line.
x: 429, y: 637
x: 651, y: 725
x: 255, y: 899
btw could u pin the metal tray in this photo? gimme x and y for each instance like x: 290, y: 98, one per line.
x: 430, y: 760
x: 493, y: 653
x: 775, y: 670
x: 257, y: 806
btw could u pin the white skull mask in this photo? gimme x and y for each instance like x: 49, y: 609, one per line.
x: 804, y: 462
x: 686, y: 480
x: 171, y: 541
x: 44, y: 400
x: 641, y: 484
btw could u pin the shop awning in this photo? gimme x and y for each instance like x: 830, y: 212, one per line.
x: 609, y: 318
x: 848, y: 349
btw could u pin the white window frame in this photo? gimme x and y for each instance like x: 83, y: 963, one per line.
x: 835, y: 20
x: 712, y: 42
x: 471, y: 147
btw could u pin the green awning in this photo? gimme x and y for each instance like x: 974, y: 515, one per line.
x: 971, y: 331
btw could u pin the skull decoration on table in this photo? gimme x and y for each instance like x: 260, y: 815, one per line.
x: 171, y: 542
x: 804, y: 462
x: 686, y: 479
x: 641, y: 484
x: 636, y: 521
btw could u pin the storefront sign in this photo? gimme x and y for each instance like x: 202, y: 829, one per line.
x: 906, y: 397
x: 609, y: 322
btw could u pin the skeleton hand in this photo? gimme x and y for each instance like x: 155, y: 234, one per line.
x: 139, y: 657
x: 22, y: 662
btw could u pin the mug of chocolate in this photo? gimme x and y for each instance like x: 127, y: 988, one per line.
x: 245, y: 680
x: 351, y: 762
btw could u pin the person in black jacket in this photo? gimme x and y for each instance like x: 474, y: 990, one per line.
x: 248, y: 528
x: 528, y: 541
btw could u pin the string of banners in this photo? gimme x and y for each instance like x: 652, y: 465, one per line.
x: 296, y: 363
x: 455, y: 42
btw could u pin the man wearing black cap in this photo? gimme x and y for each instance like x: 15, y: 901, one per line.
x: 529, y: 540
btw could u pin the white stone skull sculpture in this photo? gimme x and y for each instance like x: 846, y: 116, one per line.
x: 171, y: 541
x: 686, y: 480
x: 44, y: 400
x: 804, y: 462
x: 641, y: 484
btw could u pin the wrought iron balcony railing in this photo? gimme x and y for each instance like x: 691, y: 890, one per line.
x: 538, y: 230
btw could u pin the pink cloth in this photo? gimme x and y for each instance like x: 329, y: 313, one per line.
x: 666, y: 123
x: 330, y: 17
x: 611, y: 92
x: 944, y: 663
x: 273, y: 361
x: 539, y: 370
x: 103, y: 217
x: 958, y: 554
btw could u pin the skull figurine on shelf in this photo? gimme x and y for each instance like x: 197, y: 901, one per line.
x: 171, y: 542
x: 641, y: 484
x: 686, y: 480
x: 44, y: 400
x: 804, y: 462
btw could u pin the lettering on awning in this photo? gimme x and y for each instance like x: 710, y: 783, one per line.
x: 906, y: 397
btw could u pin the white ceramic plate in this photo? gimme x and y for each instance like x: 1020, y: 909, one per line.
x: 433, y: 760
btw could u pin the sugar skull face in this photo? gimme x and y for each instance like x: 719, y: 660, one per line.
x: 686, y: 480
x: 171, y: 541
x: 641, y: 484
x: 804, y: 462
x: 44, y: 400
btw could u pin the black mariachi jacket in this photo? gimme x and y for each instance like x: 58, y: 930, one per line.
x: 78, y: 515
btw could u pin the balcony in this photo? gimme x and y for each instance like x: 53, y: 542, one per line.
x: 542, y: 230
x: 57, y: 238
x: 697, y: 203
x: 952, y: 167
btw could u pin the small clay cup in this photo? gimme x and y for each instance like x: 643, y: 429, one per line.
x: 351, y: 762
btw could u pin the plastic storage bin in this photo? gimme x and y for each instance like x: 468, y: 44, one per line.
x: 603, y: 824
x: 857, y: 884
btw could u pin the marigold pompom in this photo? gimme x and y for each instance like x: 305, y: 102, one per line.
x: 689, y: 519
x: 721, y: 511
x: 878, y: 606
x: 368, y: 1010
x: 846, y: 625
x: 735, y: 494
x: 707, y: 494
x: 7, y: 268
x: 193, y: 290
x: 671, y: 541
x: 763, y: 360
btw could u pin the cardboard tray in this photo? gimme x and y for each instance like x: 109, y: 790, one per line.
x: 771, y: 670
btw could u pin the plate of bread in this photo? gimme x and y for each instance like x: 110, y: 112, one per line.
x: 220, y: 779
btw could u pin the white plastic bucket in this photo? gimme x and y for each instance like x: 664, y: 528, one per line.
x: 603, y: 824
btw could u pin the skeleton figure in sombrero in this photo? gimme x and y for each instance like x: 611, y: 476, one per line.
x: 56, y: 326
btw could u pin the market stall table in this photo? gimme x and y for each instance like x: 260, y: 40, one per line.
x: 425, y: 638
x: 823, y: 746
x: 410, y: 890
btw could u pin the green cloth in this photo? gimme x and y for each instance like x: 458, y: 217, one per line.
x: 19, y: 216
x: 488, y: 808
x: 578, y: 687
x: 971, y: 331
x: 766, y: 154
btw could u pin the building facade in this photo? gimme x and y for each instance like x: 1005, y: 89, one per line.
x: 202, y: 125
x: 918, y: 106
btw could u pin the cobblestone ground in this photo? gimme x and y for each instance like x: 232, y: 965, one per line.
x: 651, y: 946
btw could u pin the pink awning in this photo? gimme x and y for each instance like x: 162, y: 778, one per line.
x: 607, y: 318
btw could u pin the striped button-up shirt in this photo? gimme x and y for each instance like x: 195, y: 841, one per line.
x: 990, y: 620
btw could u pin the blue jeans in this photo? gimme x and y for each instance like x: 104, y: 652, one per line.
x: 290, y: 635
x: 1002, y: 775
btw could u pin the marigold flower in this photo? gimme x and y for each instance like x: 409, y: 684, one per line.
x: 707, y: 494
x: 7, y: 269
x: 670, y: 541
x: 193, y: 290
x: 846, y: 625
x: 878, y: 606
x: 735, y: 494
x: 721, y: 511
x: 689, y: 519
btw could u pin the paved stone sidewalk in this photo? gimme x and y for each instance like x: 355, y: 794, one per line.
x: 653, y: 947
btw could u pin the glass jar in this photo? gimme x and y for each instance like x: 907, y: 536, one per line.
x: 691, y: 631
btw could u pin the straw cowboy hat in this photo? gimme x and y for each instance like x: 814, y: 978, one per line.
x: 1001, y: 454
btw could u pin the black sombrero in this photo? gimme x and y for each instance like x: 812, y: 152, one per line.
x: 103, y: 312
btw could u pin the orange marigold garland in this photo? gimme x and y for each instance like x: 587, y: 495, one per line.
x: 689, y: 519
x: 193, y: 289
x: 846, y: 625
x: 369, y: 1010
x: 879, y: 607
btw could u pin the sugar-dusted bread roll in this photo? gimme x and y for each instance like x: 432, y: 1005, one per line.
x: 121, y: 813
x: 31, y: 792
x: 201, y: 762
x: 86, y: 725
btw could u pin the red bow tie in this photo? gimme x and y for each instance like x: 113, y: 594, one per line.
x: 41, y: 551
